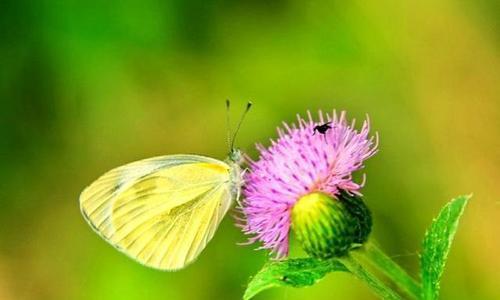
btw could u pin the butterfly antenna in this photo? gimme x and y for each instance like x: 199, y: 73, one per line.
x: 249, y: 105
x: 228, y: 104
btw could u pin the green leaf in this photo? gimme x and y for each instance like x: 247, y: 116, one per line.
x: 436, y: 246
x: 293, y: 272
x: 357, y: 268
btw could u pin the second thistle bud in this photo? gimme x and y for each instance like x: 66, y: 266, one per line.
x: 329, y: 227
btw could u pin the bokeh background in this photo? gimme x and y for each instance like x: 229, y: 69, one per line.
x: 89, y: 85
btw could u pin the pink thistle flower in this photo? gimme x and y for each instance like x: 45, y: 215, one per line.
x: 301, y: 161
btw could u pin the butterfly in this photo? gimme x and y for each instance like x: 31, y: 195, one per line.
x: 163, y: 211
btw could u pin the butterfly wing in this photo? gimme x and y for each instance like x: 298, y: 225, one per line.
x: 160, y: 211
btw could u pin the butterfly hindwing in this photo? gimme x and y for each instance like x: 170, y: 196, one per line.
x: 160, y: 211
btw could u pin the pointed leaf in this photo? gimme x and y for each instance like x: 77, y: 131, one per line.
x: 436, y: 246
x: 293, y: 272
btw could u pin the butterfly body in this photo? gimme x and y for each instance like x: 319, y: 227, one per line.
x: 163, y: 211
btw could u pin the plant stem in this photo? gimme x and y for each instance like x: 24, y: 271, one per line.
x: 373, y: 282
x: 391, y: 269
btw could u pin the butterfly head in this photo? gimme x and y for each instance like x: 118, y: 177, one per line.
x: 236, y: 156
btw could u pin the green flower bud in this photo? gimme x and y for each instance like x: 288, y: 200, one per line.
x: 360, y: 211
x: 329, y: 227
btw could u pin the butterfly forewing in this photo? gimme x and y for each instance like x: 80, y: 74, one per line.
x: 160, y: 211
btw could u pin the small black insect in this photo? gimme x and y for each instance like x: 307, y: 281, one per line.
x: 322, y: 129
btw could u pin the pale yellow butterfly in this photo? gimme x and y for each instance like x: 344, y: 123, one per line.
x: 163, y: 211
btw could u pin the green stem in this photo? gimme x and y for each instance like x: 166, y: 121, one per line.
x: 373, y: 282
x: 391, y: 269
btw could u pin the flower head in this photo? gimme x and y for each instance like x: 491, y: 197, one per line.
x: 313, y: 157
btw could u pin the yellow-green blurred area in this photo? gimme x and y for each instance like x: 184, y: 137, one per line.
x: 86, y: 86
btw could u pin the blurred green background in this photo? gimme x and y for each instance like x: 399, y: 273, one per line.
x: 89, y: 85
